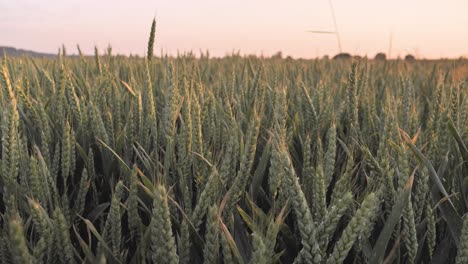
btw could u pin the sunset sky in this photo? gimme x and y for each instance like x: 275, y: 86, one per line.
x: 426, y: 28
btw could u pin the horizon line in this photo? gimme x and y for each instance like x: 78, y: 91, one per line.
x: 201, y: 52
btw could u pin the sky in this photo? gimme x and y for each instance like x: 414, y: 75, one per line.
x: 425, y: 28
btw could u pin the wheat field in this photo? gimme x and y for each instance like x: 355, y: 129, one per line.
x: 241, y: 159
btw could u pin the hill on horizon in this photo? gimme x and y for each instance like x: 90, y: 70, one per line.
x: 11, y: 51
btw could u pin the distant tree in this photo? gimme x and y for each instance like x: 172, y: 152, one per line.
x: 277, y: 55
x: 380, y: 56
x: 342, y: 56
x: 326, y: 57
x: 410, y: 57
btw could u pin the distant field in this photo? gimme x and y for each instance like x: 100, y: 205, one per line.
x: 233, y: 160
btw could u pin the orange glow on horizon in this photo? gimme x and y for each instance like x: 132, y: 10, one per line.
x: 426, y: 29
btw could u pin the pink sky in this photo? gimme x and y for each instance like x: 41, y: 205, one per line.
x: 430, y: 28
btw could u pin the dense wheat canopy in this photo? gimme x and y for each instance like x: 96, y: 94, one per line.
x: 111, y: 159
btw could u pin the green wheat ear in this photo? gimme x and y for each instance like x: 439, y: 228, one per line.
x: 184, y: 242
x: 113, y: 229
x: 82, y: 192
x: 151, y: 40
x: 17, y: 242
x: 62, y: 238
x: 358, y: 225
x: 10, y: 155
x: 162, y: 240
x: 211, y: 251
x: 335, y: 212
x: 431, y: 228
x: 310, y: 252
x: 259, y: 255
x: 134, y: 220
x: 97, y: 60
